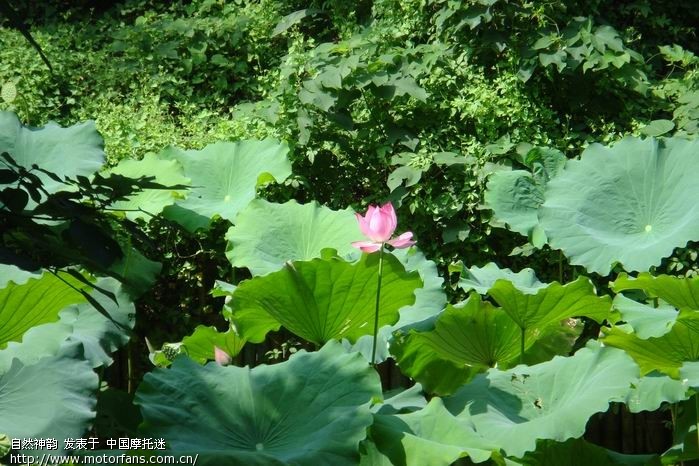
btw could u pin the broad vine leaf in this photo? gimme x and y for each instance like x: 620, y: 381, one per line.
x: 552, y: 400
x: 66, y: 152
x: 149, y: 202
x: 35, y: 302
x: 200, y: 345
x: 311, y: 409
x: 551, y: 304
x: 52, y: 398
x: 99, y: 336
x: 267, y: 235
x: 431, y: 437
x: 323, y: 299
x: 681, y: 292
x: 429, y: 303
x: 666, y: 353
x: 224, y: 178
x: 630, y: 203
x: 646, y: 321
x: 482, y: 279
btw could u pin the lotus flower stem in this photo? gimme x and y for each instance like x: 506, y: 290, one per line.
x: 376, y: 310
x: 521, y: 346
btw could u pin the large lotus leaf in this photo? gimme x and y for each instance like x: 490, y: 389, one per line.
x: 136, y: 271
x: 551, y: 304
x: 690, y: 372
x: 578, y: 452
x: 311, y: 409
x: 224, y: 177
x: 473, y: 336
x: 12, y: 273
x: 82, y: 323
x: 35, y: 302
x: 200, y: 344
x: 646, y: 321
x: 149, y: 202
x: 666, y: 353
x: 401, y: 401
x: 267, y: 235
x: 431, y: 436
x: 552, y: 400
x: 76, y: 150
x: 631, y: 203
x: 654, y: 389
x: 52, y: 398
x: 482, y: 279
x: 429, y: 302
x: 323, y: 299
x: 474, y: 333
x: 515, y: 196
x: 681, y: 292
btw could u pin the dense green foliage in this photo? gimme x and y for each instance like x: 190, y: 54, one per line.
x: 211, y: 205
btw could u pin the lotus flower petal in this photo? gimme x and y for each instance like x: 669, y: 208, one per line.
x: 379, y: 223
x: 403, y: 241
x: 221, y: 357
x: 367, y: 246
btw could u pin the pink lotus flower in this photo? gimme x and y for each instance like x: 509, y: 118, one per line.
x: 221, y: 357
x: 378, y: 225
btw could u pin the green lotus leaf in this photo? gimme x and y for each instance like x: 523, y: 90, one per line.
x: 654, y: 389
x: 135, y: 271
x: 551, y: 304
x: 66, y: 152
x: 200, y: 344
x: 474, y: 333
x: 12, y: 273
x: 431, y: 436
x: 79, y: 323
x: 515, y: 196
x: 266, y: 235
x: 578, y: 452
x: 224, y: 177
x: 311, y: 409
x: 630, y: 203
x: 323, y: 299
x: 473, y: 336
x: 552, y: 400
x: 690, y: 372
x: 646, y: 321
x: 666, y: 353
x: 149, y: 202
x: 681, y: 292
x: 429, y: 302
x: 35, y: 302
x: 482, y: 279
x: 401, y: 401
x: 51, y: 398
